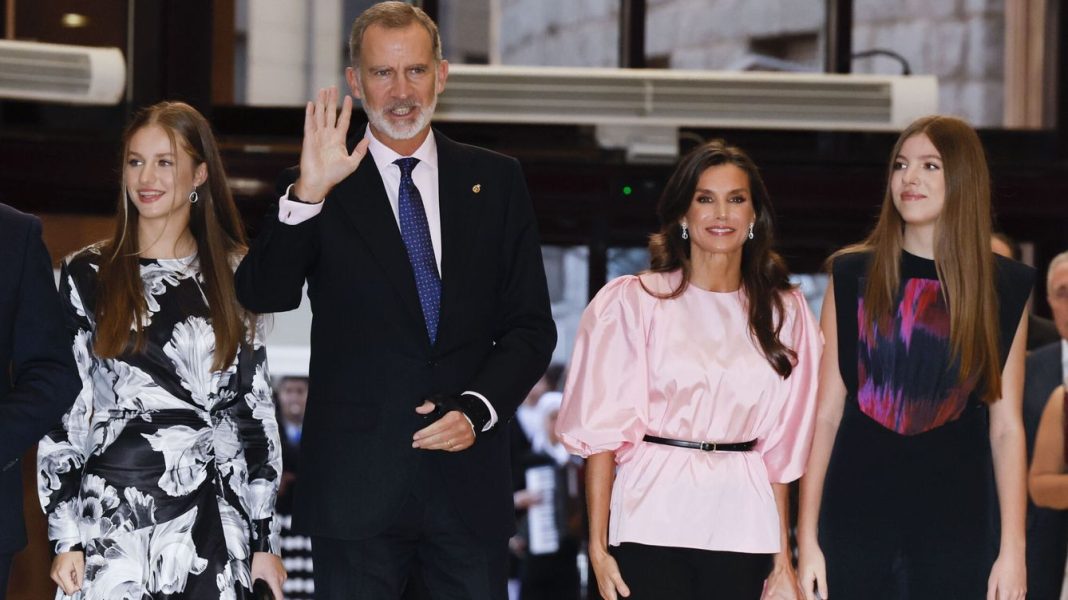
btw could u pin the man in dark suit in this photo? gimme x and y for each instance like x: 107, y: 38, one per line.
x: 291, y: 397
x: 1047, y: 529
x: 38, y: 379
x: 431, y: 321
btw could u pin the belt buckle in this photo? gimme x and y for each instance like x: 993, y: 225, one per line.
x: 708, y: 446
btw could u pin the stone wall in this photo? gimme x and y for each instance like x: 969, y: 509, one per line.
x: 702, y: 34
x: 464, y: 27
x: 565, y: 33
x: 962, y: 42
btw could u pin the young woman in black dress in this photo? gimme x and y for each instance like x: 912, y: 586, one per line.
x: 920, y: 393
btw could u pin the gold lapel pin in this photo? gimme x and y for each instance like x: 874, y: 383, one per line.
x: 476, y: 188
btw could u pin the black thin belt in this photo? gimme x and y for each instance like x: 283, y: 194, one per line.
x: 706, y: 446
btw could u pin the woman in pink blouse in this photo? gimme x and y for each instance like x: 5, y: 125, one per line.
x: 692, y: 394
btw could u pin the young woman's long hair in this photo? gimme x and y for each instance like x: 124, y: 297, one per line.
x: 764, y: 273
x: 962, y: 253
x: 214, y: 223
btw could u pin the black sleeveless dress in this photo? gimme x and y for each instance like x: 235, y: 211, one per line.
x: 909, y: 503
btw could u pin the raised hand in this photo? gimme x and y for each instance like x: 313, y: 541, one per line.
x: 324, y: 159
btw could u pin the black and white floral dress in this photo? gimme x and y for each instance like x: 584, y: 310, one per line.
x: 164, y: 472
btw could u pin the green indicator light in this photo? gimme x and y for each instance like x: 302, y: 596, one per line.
x: 627, y: 190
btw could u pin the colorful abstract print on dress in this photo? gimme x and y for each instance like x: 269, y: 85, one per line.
x: 907, y: 380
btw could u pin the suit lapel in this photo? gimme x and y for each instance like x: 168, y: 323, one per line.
x: 459, y: 205
x: 363, y: 198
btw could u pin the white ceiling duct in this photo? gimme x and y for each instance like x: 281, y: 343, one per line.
x: 61, y: 73
x: 675, y: 98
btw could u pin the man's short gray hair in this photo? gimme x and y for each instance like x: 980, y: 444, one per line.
x: 1053, y: 264
x: 391, y: 15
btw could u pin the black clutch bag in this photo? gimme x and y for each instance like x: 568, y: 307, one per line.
x: 261, y: 591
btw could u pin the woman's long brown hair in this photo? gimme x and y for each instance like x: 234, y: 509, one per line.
x: 962, y: 254
x: 764, y: 274
x: 214, y: 223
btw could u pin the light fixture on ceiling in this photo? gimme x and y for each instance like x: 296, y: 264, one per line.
x: 74, y: 20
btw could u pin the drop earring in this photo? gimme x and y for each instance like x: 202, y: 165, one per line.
x: 193, y: 197
x: 751, y: 231
x: 685, y: 231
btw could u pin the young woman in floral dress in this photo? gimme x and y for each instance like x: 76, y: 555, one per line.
x: 161, y: 479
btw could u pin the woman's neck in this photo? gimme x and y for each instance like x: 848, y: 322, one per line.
x: 919, y: 240
x: 167, y: 239
x: 716, y: 272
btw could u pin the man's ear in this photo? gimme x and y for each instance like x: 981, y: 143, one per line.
x: 353, y: 77
x: 443, y: 74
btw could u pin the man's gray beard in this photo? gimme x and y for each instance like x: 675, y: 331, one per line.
x: 379, y: 120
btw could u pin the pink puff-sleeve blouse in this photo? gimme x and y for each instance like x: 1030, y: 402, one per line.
x: 686, y: 368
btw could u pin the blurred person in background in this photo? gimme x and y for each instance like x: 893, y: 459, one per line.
x: 1040, y: 330
x: 521, y: 432
x: 292, y: 395
x: 1047, y: 521
x: 553, y: 526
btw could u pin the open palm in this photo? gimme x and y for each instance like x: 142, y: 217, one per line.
x: 324, y: 159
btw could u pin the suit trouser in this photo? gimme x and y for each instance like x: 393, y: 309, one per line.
x: 551, y: 576
x: 428, y: 535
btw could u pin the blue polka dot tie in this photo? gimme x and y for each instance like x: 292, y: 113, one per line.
x: 416, y: 235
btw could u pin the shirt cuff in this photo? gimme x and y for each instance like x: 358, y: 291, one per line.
x: 295, y: 213
x: 493, y: 414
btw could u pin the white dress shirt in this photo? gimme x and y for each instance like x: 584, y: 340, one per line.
x: 425, y: 177
x: 1064, y: 362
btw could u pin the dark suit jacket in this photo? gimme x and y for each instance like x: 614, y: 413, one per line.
x: 1047, y: 542
x: 371, y: 360
x: 1040, y: 332
x: 38, y: 379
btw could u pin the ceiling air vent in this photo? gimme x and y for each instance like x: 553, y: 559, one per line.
x: 674, y: 98
x: 61, y: 73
